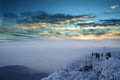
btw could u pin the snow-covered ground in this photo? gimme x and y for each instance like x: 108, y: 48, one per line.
x: 90, y: 68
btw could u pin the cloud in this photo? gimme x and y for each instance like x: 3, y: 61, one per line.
x: 49, y: 55
x: 111, y: 12
x: 114, y: 6
x: 111, y: 22
x: 79, y: 27
x: 103, y: 35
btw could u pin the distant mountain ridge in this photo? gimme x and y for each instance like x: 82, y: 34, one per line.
x: 18, y: 72
x: 16, y: 69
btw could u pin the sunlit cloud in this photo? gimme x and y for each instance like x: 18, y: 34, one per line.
x: 61, y: 32
x: 112, y: 35
x: 114, y: 6
x: 78, y: 18
x: 76, y: 27
x: 67, y: 28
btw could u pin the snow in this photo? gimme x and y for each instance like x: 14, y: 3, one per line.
x: 103, y: 69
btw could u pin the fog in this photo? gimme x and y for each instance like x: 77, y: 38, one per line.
x: 49, y: 55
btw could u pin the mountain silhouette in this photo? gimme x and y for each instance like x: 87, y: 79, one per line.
x: 17, y: 72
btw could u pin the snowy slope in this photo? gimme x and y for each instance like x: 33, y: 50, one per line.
x: 100, y: 70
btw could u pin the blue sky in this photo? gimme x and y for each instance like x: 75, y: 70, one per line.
x: 74, y: 7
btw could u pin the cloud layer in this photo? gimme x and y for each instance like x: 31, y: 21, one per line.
x: 58, y: 26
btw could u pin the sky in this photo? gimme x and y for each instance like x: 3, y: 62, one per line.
x: 102, y: 19
x: 74, y: 7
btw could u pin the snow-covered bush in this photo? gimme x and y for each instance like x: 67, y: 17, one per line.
x: 106, y: 69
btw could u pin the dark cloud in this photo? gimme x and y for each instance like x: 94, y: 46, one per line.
x: 10, y: 15
x: 111, y: 21
x: 111, y: 12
